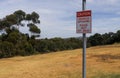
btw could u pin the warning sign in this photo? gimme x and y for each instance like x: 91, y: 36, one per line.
x: 83, y: 22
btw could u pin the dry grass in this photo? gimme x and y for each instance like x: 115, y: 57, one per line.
x: 66, y: 64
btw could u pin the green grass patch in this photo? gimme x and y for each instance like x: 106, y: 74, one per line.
x: 111, y: 75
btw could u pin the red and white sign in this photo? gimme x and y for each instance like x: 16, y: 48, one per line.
x: 83, y: 22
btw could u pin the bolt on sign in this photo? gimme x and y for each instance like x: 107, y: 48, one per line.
x: 83, y: 21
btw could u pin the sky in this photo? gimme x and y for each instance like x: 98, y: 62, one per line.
x: 58, y: 17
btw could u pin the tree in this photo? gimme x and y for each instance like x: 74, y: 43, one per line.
x: 96, y: 39
x: 34, y: 29
x: 6, y: 49
x: 15, y: 20
x: 13, y: 37
x: 28, y: 18
x: 108, y: 38
x: 20, y: 15
x: 116, y: 36
x: 35, y: 17
x: 11, y: 19
x: 4, y: 24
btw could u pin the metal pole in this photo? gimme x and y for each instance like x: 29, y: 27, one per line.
x: 84, y: 46
x: 84, y: 57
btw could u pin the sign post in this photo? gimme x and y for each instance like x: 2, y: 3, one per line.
x: 84, y: 47
x: 83, y: 25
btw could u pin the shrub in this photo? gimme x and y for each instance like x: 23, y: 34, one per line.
x: 6, y: 49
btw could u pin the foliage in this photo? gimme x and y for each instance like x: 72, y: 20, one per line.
x: 57, y: 44
x: 15, y: 43
x: 96, y: 39
x: 16, y: 19
x: 35, y: 17
x: 104, y: 39
x: 20, y: 16
x: 26, y: 49
x: 34, y: 29
x: 6, y: 49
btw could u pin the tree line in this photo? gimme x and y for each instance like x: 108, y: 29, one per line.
x: 104, y: 39
x: 19, y: 44
x: 15, y: 43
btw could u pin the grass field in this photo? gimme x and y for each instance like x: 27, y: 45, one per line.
x: 102, y: 62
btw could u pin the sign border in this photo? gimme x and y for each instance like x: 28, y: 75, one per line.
x: 77, y: 31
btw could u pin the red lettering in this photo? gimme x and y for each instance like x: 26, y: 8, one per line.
x: 84, y: 13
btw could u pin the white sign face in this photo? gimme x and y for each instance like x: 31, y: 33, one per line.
x: 83, y: 22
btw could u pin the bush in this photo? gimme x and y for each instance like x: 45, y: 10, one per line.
x: 25, y: 49
x: 6, y: 49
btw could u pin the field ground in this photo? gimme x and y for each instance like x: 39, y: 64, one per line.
x: 65, y: 64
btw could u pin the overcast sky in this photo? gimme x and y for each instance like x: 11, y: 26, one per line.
x: 58, y: 17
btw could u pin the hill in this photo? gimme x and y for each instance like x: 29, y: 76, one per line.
x: 101, y: 60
